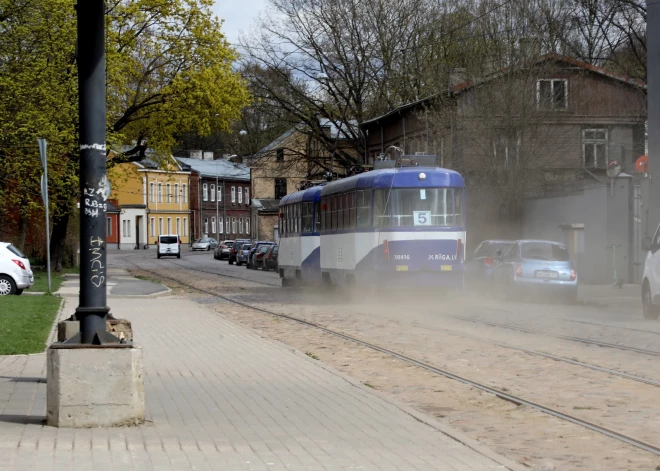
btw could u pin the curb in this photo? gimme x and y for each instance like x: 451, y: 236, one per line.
x: 53, y: 329
x: 419, y: 416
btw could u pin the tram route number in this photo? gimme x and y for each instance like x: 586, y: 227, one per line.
x: 422, y: 218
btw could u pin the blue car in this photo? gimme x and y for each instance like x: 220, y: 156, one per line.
x: 479, y: 269
x: 535, y: 267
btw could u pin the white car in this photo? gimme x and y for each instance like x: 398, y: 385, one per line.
x: 15, y: 272
x: 168, y: 246
x: 651, y: 278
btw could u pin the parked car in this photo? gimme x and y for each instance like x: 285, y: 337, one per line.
x: 207, y: 244
x: 168, y: 246
x: 253, y: 250
x: 259, y: 257
x: 651, y: 277
x: 536, y: 265
x: 222, y: 250
x: 238, y: 243
x: 479, y: 269
x: 15, y: 272
x: 242, y: 254
x: 270, y: 259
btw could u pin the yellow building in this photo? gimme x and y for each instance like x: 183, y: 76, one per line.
x: 154, y: 199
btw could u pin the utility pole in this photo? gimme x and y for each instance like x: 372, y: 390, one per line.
x: 92, y: 310
x: 653, y: 68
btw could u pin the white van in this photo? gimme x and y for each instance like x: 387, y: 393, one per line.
x: 168, y: 245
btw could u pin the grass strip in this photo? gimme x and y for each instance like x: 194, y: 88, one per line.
x: 25, y: 322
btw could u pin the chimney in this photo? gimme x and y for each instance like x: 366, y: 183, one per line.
x: 207, y: 156
x: 196, y: 154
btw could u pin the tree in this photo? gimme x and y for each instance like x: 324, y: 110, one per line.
x: 169, y: 71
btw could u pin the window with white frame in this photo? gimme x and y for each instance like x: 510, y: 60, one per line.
x: 185, y: 227
x: 227, y: 227
x: 240, y: 196
x: 176, y: 192
x: 152, y: 226
x: 233, y: 225
x: 184, y: 194
x: 233, y: 194
x: 219, y: 194
x: 240, y: 225
x: 151, y: 193
x: 213, y: 224
x: 160, y: 192
x: 247, y: 195
x: 247, y: 225
x: 168, y: 196
x: 221, y: 229
x: 506, y: 148
x: 205, y: 192
x: 108, y: 226
x: 594, y: 148
x: 206, y: 225
x: 552, y: 94
x: 212, y: 192
x: 178, y: 226
x: 169, y: 225
x: 160, y: 226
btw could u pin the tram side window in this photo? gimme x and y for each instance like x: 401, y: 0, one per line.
x: 382, y: 216
x: 289, y: 220
x: 317, y: 217
x: 351, y: 205
x: 458, y: 207
x: 333, y: 222
x: 340, y: 211
x: 363, y: 207
x: 281, y: 221
x: 307, y: 217
x: 300, y: 226
x: 296, y: 229
x: 327, y: 214
x: 347, y: 210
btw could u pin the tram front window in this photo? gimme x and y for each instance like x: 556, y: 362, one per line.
x: 411, y: 207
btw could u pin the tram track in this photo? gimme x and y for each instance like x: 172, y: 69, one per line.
x: 442, y: 372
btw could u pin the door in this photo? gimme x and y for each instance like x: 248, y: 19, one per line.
x: 138, y: 223
x: 574, y: 242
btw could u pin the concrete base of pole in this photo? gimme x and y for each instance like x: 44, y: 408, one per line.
x: 95, y: 387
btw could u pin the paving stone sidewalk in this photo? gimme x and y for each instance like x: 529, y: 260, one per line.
x: 221, y: 397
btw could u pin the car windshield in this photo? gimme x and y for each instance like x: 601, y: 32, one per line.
x: 15, y: 251
x: 410, y: 207
x: 200, y: 241
x: 246, y: 246
x: 229, y: 244
x: 263, y: 249
x: 545, y: 251
x: 276, y: 249
x: 168, y: 240
x: 490, y: 249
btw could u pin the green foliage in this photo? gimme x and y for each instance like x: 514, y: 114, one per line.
x: 25, y: 322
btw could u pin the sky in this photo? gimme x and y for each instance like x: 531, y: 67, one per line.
x: 238, y: 15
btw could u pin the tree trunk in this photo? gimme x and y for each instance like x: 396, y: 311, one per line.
x: 58, y: 241
x: 22, y: 232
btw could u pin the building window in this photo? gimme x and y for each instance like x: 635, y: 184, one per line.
x: 213, y: 225
x: 169, y: 225
x: 160, y: 192
x: 247, y: 195
x: 205, y: 192
x: 233, y: 194
x: 151, y: 193
x: 160, y: 226
x: 240, y: 225
x: 176, y: 192
x: 240, y: 196
x: 206, y: 225
x: 280, y: 155
x: 280, y: 188
x: 221, y: 229
x: 227, y: 227
x: 219, y: 194
x: 233, y: 225
x: 552, y: 95
x: 178, y: 226
x: 108, y: 227
x: 152, y: 227
x: 212, y: 192
x: 168, y: 196
x: 185, y: 227
x: 247, y: 225
x: 594, y: 148
x: 184, y: 194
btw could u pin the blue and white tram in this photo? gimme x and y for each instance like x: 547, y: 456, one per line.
x: 300, y: 223
x: 394, y: 225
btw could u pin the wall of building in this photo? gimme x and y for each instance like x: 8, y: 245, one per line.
x: 266, y: 225
x: 112, y: 230
x: 130, y: 220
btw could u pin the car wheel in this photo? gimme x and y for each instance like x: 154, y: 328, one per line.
x: 239, y: 263
x: 178, y: 255
x: 264, y: 267
x: 18, y: 292
x: 7, y: 286
x: 157, y: 255
x: 231, y: 262
x: 649, y: 310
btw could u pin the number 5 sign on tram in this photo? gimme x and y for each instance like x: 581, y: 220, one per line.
x: 422, y: 218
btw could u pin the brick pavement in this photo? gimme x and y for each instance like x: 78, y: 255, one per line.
x: 221, y: 397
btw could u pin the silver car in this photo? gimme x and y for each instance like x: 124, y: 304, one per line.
x: 222, y: 250
x: 207, y: 244
x: 536, y: 267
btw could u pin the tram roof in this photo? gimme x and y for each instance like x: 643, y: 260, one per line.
x: 310, y: 194
x: 403, y: 177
